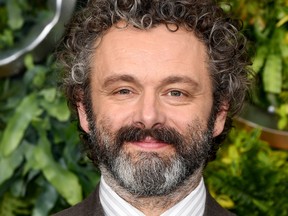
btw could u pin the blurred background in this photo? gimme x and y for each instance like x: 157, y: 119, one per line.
x: 42, y: 166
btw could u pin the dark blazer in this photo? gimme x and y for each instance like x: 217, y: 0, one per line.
x: 91, y: 206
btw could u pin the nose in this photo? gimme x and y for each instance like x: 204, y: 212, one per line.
x: 149, y: 113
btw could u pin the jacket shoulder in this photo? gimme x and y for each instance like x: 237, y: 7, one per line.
x: 90, y: 206
x: 212, y: 208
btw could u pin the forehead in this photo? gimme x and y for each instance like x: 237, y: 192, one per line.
x: 157, y: 50
x: 160, y: 36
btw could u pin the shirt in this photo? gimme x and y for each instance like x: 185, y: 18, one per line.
x: 114, y: 205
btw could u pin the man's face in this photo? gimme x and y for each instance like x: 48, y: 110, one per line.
x: 151, y: 100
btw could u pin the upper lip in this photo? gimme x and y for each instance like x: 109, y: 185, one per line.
x: 150, y: 139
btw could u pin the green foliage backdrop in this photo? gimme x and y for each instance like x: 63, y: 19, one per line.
x: 41, y: 165
x: 266, y: 24
x: 248, y: 177
x: 18, y: 15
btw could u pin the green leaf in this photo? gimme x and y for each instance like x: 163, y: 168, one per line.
x: 40, y: 76
x: 282, y: 21
x: 49, y: 94
x: 284, y: 52
x: 259, y: 59
x: 264, y: 158
x: 58, y: 109
x: 283, y: 116
x: 18, y: 188
x: 272, y: 74
x: 14, y: 131
x: 12, y: 206
x: 65, y: 182
x: 15, y: 20
x: 225, y: 201
x: 28, y: 61
x: 262, y: 205
x: 9, y: 164
x: 46, y: 201
x: 6, y: 39
x: 31, y: 162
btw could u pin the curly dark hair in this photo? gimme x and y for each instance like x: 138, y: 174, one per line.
x: 225, y: 45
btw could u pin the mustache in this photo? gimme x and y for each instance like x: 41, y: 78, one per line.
x: 136, y: 134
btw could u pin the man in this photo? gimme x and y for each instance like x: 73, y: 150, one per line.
x: 154, y: 85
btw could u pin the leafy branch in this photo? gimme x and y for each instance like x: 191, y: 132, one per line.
x: 39, y: 147
x: 250, y: 176
x: 266, y: 24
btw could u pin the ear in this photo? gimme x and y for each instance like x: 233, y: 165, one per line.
x: 220, y: 120
x: 82, y: 117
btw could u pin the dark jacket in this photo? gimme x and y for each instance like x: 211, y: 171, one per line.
x: 91, y: 206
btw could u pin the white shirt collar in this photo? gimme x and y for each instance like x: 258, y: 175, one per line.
x: 114, y: 205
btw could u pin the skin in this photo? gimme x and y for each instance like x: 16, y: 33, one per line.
x: 151, y: 79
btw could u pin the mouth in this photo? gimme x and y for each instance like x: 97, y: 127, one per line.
x: 149, y: 144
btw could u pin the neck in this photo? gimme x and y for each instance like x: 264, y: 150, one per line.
x: 155, y: 205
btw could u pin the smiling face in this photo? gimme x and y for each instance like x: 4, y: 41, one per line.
x: 156, y: 81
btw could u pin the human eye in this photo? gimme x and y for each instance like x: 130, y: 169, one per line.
x: 123, y: 91
x: 177, y: 96
x: 175, y: 93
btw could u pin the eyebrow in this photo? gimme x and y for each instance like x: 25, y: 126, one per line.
x: 116, y: 78
x: 168, y: 80
x: 179, y: 79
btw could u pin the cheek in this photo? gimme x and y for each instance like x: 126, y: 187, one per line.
x: 113, y: 119
x: 180, y: 118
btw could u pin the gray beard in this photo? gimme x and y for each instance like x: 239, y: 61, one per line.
x: 147, y: 174
x: 150, y: 175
